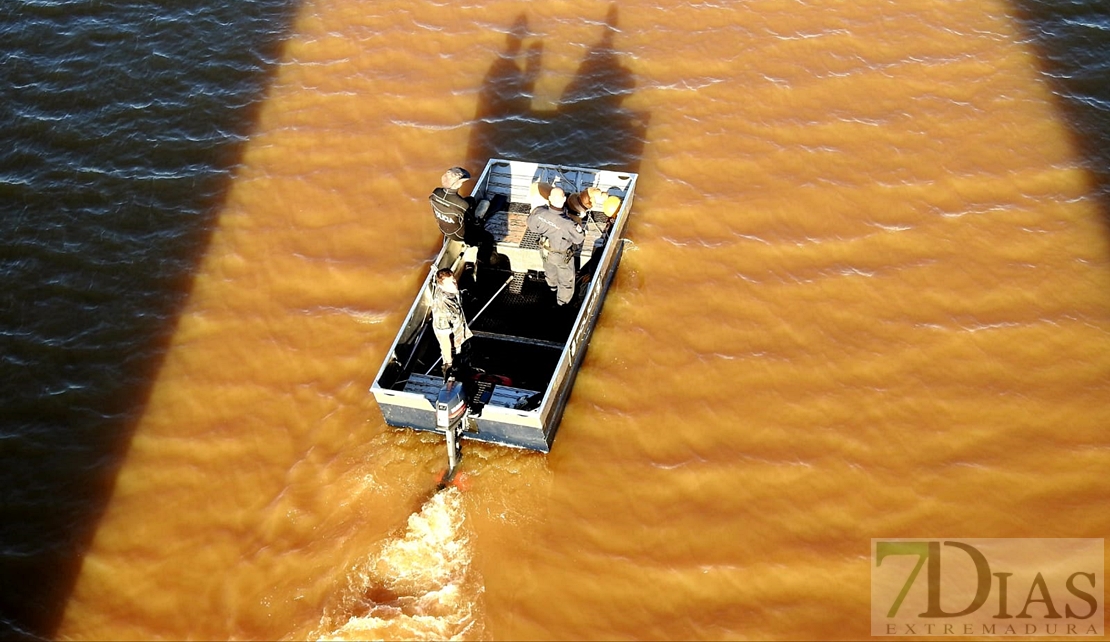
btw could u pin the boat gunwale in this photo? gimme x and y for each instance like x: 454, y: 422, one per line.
x: 547, y: 415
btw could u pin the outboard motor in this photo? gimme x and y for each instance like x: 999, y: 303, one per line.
x: 450, y: 415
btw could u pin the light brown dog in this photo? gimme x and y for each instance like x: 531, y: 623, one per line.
x: 538, y: 194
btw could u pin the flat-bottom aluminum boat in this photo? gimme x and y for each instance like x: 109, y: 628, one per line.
x: 525, y: 352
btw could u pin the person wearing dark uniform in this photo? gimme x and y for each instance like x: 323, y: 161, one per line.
x: 448, y: 320
x: 456, y: 215
x: 561, y: 237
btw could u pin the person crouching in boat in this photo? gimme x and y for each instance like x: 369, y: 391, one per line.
x: 561, y: 238
x: 461, y: 217
x: 448, y: 321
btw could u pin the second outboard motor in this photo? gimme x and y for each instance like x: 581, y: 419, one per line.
x: 450, y: 415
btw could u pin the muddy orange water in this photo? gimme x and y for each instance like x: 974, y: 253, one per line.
x: 868, y: 296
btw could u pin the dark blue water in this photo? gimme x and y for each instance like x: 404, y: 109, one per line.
x: 1072, y: 38
x: 122, y: 125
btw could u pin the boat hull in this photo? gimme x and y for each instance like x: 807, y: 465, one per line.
x: 526, y: 353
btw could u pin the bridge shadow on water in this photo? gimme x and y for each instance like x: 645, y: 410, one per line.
x: 590, y: 126
x: 1072, y: 43
x: 121, y: 135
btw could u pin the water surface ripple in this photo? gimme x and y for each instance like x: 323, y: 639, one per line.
x: 865, y: 296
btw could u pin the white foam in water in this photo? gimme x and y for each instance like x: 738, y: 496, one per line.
x: 419, y: 587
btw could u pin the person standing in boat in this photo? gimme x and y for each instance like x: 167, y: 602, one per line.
x: 461, y: 217
x: 561, y: 238
x: 448, y: 320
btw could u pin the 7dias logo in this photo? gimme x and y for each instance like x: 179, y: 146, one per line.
x: 1006, y: 587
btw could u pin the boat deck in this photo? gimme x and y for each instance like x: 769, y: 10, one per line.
x: 518, y: 332
x: 503, y: 396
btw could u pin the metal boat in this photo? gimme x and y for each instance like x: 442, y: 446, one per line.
x: 525, y: 351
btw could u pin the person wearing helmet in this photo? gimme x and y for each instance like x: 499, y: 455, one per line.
x: 562, y: 238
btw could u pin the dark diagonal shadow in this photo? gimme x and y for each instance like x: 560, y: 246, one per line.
x: 590, y: 127
x: 1072, y: 42
x: 122, y: 123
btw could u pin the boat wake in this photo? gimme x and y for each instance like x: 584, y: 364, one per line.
x: 420, y: 586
